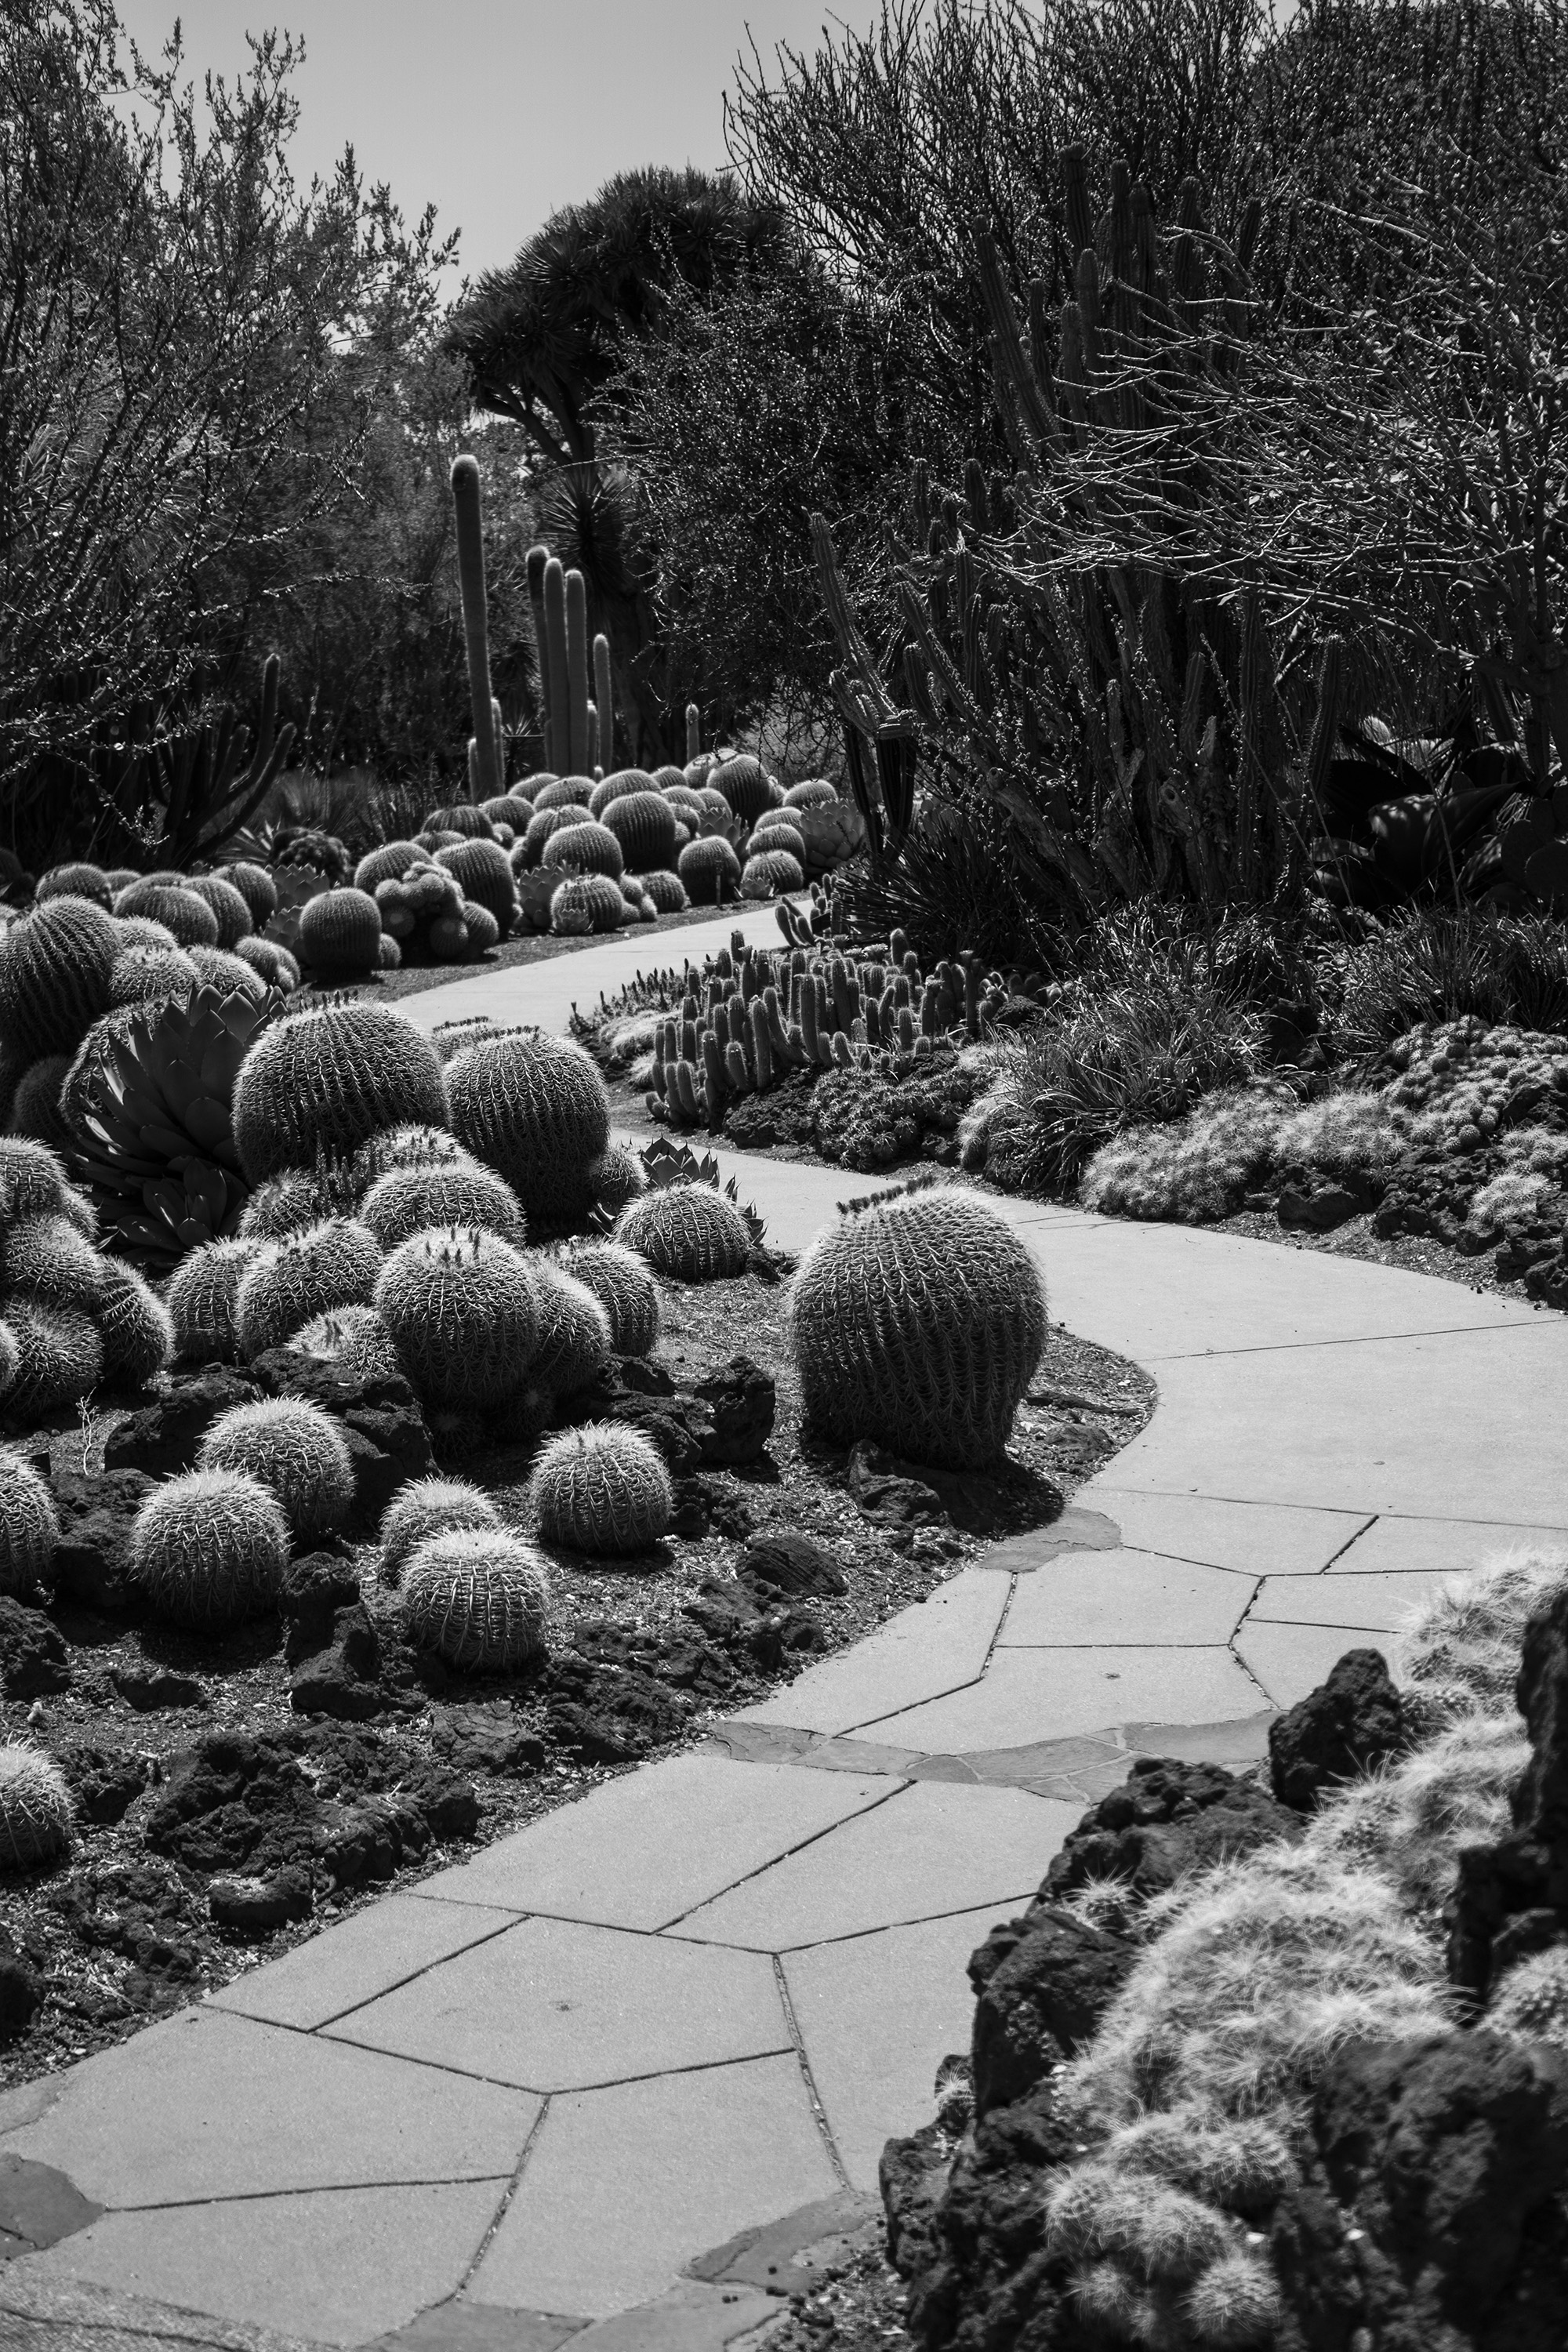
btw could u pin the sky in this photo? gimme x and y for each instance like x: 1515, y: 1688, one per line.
x: 498, y: 111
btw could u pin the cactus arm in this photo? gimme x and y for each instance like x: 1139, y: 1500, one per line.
x: 234, y: 819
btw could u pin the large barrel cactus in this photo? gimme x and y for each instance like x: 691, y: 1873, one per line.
x: 257, y: 888
x: 573, y: 1345
x: 917, y: 1321
x: 209, y: 1550
x: 329, y: 1079
x: 534, y: 1109
x: 709, y: 870
x: 75, y: 880
x: 744, y: 786
x: 169, y: 902
x: 425, y: 1509
x: 586, y: 902
x: 689, y: 1231
x: 287, y: 1284
x: 296, y: 1450
x: 586, y: 848
x: 339, y: 934
x: 624, y: 1285
x: 601, y: 1490
x: 484, y: 871
x: 408, y: 1201
x: 644, y: 824
x: 55, y: 968
x: 228, y: 903
x: 463, y: 1312
x: 476, y: 1597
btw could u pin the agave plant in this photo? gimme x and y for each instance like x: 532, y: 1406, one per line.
x: 155, y: 1138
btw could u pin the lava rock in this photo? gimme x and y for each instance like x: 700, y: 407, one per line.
x: 389, y: 1444
x: 742, y: 1399
x: 693, y: 1514
x: 1430, y: 2208
x: 485, y: 1737
x: 32, y: 1656
x: 92, y: 1558
x: 314, y: 1589
x: 1041, y: 1987
x: 105, y: 1783
x: 607, y: 1713
x: 1318, y: 1211
x: 1526, y: 1871
x: 343, y: 1679
x: 1168, y: 1818
x: 1350, y: 1721
x: 884, y: 1492
x: 234, y: 1805
x: 641, y: 1376
x: 782, y: 1560
x: 682, y: 1427
x: 163, y: 1437
x: 148, y: 1688
x: 21, y: 1989
x: 257, y: 1907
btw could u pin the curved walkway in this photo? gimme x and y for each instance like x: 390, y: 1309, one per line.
x: 565, y: 2089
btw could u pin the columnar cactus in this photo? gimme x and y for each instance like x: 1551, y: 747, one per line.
x: 329, y: 1079
x: 427, y: 1507
x: 339, y: 934
x: 476, y: 1597
x: 463, y: 1312
x: 409, y: 1200
x: 580, y: 761
x: 553, y: 653
x: 624, y: 1286
x: 476, y: 619
x: 209, y: 1550
x: 235, y: 921
x: 201, y: 1295
x: 693, y: 733
x: 601, y: 1490
x: 689, y: 1231
x: 917, y: 1320
x: 35, y: 1807
x: 709, y: 870
x: 292, y: 1447
x: 337, y: 1263
x: 29, y: 1527
x: 573, y: 1345
x: 534, y: 1109
x: 604, y: 701
x: 54, y: 967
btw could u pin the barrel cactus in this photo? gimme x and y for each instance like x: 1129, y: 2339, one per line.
x: 35, y: 1807
x: 425, y: 1509
x: 209, y: 1550
x: 257, y: 888
x: 337, y: 1263
x: 476, y: 1597
x: 542, y: 825
x: 587, y: 847
x: 328, y: 1079
x: 624, y: 1285
x: 601, y: 1490
x: 340, y: 933
x: 134, y: 1325
x: 408, y: 1200
x: 219, y: 968
x: 534, y: 1109
x: 60, y: 1358
x: 644, y: 824
x: 814, y: 792
x: 35, y: 1110
x: 709, y: 870
x: 178, y: 909
x: 689, y: 1231
x: 668, y: 892
x: 75, y: 880
x: 284, y: 1204
x: 917, y: 1321
x: 294, y: 1448
x: 29, y: 1527
x: 143, y: 974
x: 33, y: 1181
x: 389, y: 862
x: 620, y: 785
x: 770, y: 872
x: 275, y: 965
x: 744, y: 786
x: 201, y: 1295
x: 564, y: 792
x: 586, y: 902
x: 462, y: 1309
x: 54, y: 967
x: 573, y: 1345
x: 234, y: 920
x: 480, y: 927
x: 615, y: 1177
x: 414, y: 1146
x: 484, y: 873
x: 49, y: 1259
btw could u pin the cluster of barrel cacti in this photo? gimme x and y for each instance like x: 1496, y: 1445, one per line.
x: 751, y: 1015
x: 72, y: 1319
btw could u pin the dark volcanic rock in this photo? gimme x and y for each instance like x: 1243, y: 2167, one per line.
x: 1524, y: 1874
x: 1041, y: 1985
x: 163, y: 1437
x: 780, y: 1560
x: 343, y: 1679
x: 105, y: 1783
x: 608, y: 1714
x: 885, y: 1494
x: 315, y: 1586
x: 680, y: 1426
x: 21, y: 1989
x: 255, y: 1907
x: 1430, y: 2212
x: 1165, y: 1819
x: 33, y: 1657
x: 485, y: 1737
x: 150, y: 1687
x: 92, y: 1558
x: 1350, y: 1721
x: 743, y: 1400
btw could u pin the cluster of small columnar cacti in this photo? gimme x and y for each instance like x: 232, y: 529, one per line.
x: 751, y: 1015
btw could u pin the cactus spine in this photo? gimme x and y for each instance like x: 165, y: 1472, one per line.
x: 475, y: 622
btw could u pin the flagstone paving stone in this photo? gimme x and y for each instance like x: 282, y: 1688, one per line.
x: 1125, y: 1597
x: 1030, y: 1694
x: 1395, y: 1545
x: 351, y: 1963
x: 1224, y: 1531
x: 1288, y: 1661
x: 1383, y: 1604
x: 936, y: 1645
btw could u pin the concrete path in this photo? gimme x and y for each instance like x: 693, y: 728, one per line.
x: 569, y: 2088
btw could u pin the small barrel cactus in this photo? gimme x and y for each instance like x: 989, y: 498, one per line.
x: 480, y: 927
x: 257, y: 888
x: 337, y: 1263
x: 563, y: 793
x: 201, y: 1295
x: 409, y: 1200
x: 588, y: 847
x: 233, y: 974
x: 295, y: 1448
x: 328, y: 1079
x: 33, y: 1181
x: 689, y: 1231
x: 275, y: 965
x: 179, y: 910
x: 601, y: 1490
x: 484, y: 872
x: 917, y: 1321
x: 476, y: 1597
x: 35, y: 1807
x: 29, y: 1527
x: 544, y: 822
x: 234, y: 920
x: 586, y: 902
x: 60, y: 1358
x: 412, y: 1146
x: 534, y: 1109
x: 340, y: 933
x: 134, y: 1325
x: 624, y: 1286
x: 814, y: 792
x: 76, y: 880
x: 284, y: 1204
x: 644, y: 824
x: 463, y: 1312
x: 709, y: 870
x: 668, y: 892
x: 618, y: 786
x: 1531, y: 1999
x: 142, y: 974
x: 36, y: 1106
x: 744, y: 786
x: 54, y: 967
x: 353, y: 1340
x: 209, y: 1548
x: 387, y: 863
x: 770, y: 872
x: 573, y: 1333
x: 425, y: 1509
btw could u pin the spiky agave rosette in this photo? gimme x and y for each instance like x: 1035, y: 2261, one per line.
x: 154, y: 1132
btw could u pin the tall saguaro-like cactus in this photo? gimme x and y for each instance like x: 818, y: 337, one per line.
x: 577, y: 671
x: 487, y: 765
x: 603, y: 702
x: 558, y: 695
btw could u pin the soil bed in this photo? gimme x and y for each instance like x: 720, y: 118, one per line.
x: 322, y: 1746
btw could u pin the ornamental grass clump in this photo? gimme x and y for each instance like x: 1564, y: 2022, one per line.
x: 35, y: 1807
x: 917, y: 1320
x: 601, y: 1490
x: 476, y: 1597
x: 209, y: 1550
x: 294, y: 1448
x: 425, y: 1509
x: 624, y: 1285
x: 29, y: 1527
x: 462, y: 1308
x: 689, y: 1232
